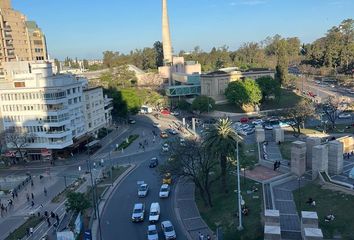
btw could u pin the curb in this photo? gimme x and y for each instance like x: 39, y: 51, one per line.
x: 105, y: 199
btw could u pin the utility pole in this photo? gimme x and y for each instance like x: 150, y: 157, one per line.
x: 240, y: 227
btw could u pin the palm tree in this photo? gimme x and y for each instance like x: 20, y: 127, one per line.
x: 221, y: 141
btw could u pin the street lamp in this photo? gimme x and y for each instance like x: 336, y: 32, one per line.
x: 238, y: 187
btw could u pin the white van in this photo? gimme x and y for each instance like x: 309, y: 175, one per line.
x: 154, y: 212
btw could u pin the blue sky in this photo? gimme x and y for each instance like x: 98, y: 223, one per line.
x: 86, y: 28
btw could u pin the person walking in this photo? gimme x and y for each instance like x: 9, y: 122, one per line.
x: 32, y: 196
x: 45, y: 191
x: 32, y: 204
x: 27, y: 196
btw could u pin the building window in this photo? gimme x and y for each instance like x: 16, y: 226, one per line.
x: 19, y: 84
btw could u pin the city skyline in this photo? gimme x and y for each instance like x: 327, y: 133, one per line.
x: 85, y: 32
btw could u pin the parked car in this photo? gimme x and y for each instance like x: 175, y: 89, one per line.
x: 156, y: 125
x: 172, y: 131
x: 163, y: 134
x: 165, y: 111
x: 152, y: 233
x: 257, y: 122
x: 268, y: 127
x: 244, y: 120
x: 154, y: 214
x: 164, y: 191
x: 168, y: 230
x: 138, y: 212
x: 143, y: 190
x: 182, y: 142
x: 344, y: 115
x: 153, y: 162
x: 165, y: 147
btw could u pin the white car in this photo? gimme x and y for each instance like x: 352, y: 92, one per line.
x: 138, y: 212
x: 344, y: 115
x: 165, y: 147
x: 143, y: 190
x: 156, y: 125
x: 257, y: 122
x: 152, y: 233
x: 182, y: 142
x: 164, y: 191
x: 268, y: 127
x: 168, y: 230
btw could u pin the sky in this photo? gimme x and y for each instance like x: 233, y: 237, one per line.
x: 86, y: 28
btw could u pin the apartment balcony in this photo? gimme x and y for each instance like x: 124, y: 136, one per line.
x: 8, y: 37
x: 54, y: 134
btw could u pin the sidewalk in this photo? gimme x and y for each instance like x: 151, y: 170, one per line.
x: 187, y: 211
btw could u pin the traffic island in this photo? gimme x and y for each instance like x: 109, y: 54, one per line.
x: 126, y: 143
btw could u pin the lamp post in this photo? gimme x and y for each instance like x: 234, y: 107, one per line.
x: 240, y: 227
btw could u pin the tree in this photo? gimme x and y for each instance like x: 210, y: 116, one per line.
x: 244, y: 93
x: 269, y: 87
x: 85, y: 64
x: 281, y: 70
x: 57, y: 64
x: 203, y: 104
x: 194, y: 161
x: 302, y: 110
x: 331, y: 109
x: 159, y: 53
x: 18, y: 140
x: 220, y: 141
x: 77, y: 202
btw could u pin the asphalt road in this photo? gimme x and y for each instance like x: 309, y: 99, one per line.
x: 116, y: 218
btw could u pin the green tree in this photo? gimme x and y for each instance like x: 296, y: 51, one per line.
x: 281, y: 70
x: 269, y: 87
x: 203, y: 104
x: 77, y: 202
x: 302, y: 110
x: 245, y: 92
x: 221, y: 142
x: 85, y: 64
x: 159, y: 53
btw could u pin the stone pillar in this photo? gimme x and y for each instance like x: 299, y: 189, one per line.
x: 278, y: 134
x: 272, y: 217
x: 335, y: 157
x: 298, y: 158
x: 260, y: 134
x: 310, y: 143
x: 272, y: 232
x: 183, y: 122
x: 319, y: 160
x: 193, y: 124
x: 312, y: 234
x: 309, y: 219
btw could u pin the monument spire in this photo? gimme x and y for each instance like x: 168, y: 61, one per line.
x: 166, y: 37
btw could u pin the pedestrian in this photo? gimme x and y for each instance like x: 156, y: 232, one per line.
x: 31, y: 230
x: 46, y: 213
x: 275, y: 166
x: 32, y: 196
x: 45, y: 191
x: 201, y: 236
x: 57, y: 218
x: 49, y: 223
x: 208, y: 237
x: 32, y: 183
x: 32, y: 204
x: 52, y: 215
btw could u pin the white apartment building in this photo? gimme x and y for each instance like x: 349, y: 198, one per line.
x: 48, y: 108
x: 94, y: 109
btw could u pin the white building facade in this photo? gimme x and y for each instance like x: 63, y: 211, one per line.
x: 48, y: 109
x: 94, y: 109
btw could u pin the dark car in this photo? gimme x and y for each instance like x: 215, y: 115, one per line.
x: 153, y: 162
x: 131, y: 121
x: 172, y: 131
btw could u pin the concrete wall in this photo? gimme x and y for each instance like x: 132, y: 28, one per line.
x: 335, y: 157
x: 348, y: 144
x: 319, y: 160
x: 310, y: 143
x: 298, y: 158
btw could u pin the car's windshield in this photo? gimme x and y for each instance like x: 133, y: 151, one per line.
x: 169, y: 229
x: 137, y: 210
x: 152, y: 232
x: 164, y: 189
x: 142, y: 188
x: 153, y: 213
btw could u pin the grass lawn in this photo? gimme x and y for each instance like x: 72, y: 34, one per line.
x: 21, y: 231
x: 305, y: 131
x: 341, y: 205
x: 285, y: 150
x: 340, y: 128
x: 287, y: 99
x: 224, y: 211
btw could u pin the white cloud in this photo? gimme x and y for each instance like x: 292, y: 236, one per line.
x: 248, y: 2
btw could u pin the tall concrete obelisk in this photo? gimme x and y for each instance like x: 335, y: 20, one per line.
x: 166, y: 36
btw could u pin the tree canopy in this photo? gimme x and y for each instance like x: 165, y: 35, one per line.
x: 77, y: 202
x: 245, y: 92
x: 269, y: 87
x: 203, y: 104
